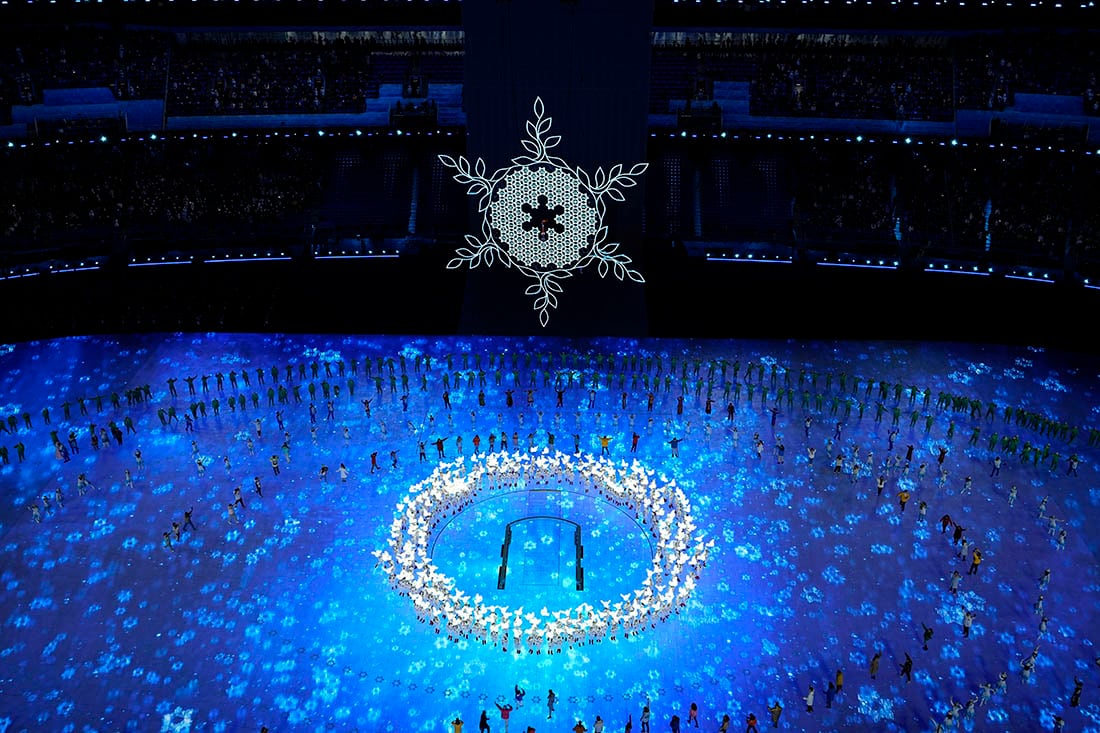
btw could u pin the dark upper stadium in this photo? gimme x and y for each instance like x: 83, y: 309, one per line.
x: 921, y: 169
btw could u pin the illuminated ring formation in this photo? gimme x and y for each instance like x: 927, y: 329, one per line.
x: 679, y: 556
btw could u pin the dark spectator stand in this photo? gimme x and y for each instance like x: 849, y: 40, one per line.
x: 278, y: 157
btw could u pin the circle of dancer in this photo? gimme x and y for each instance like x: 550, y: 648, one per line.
x: 679, y: 552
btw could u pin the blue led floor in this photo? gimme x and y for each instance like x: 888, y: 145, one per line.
x: 283, y: 619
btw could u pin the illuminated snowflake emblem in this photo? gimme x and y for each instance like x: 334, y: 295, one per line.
x: 543, y: 216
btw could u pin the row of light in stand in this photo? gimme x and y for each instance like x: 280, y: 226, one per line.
x: 681, y: 134
x: 225, y: 257
x: 287, y: 134
x: 864, y: 263
x: 88, y: 265
x: 258, y: 256
x: 860, y: 139
x: 775, y: 259
x: 51, y: 268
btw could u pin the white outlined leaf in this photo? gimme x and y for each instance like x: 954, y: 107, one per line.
x: 602, y: 268
x: 615, y: 194
x: 544, y: 318
x: 448, y: 161
x: 552, y: 141
x: 533, y: 289
x: 625, y: 182
x: 639, y: 169
x: 538, y: 107
x: 456, y: 263
x: 635, y: 276
x: 531, y: 147
x: 479, y: 168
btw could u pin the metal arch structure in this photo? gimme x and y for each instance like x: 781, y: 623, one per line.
x: 502, y: 572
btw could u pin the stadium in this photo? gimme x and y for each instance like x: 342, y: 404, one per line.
x: 561, y: 365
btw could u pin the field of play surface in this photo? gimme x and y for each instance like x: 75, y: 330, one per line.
x: 277, y: 615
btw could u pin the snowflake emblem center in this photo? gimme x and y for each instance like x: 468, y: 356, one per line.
x: 543, y: 218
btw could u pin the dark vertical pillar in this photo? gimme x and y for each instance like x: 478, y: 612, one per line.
x: 588, y: 60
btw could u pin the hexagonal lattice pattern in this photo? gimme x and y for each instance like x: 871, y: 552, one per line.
x: 561, y: 188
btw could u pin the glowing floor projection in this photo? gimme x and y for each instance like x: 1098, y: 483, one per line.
x: 395, y: 533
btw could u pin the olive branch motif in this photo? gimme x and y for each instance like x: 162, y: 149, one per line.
x: 602, y: 185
